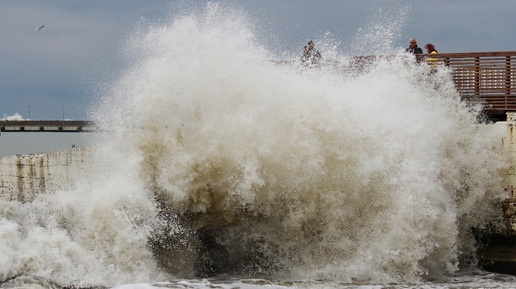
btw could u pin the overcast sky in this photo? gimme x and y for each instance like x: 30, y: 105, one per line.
x: 55, y: 72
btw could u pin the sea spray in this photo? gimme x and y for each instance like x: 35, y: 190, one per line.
x: 222, y: 160
x: 307, y: 171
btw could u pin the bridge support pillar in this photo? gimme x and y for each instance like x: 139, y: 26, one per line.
x: 509, y: 143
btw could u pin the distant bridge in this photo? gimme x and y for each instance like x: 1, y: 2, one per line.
x: 47, y: 126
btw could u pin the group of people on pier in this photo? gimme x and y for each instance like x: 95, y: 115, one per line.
x: 310, y: 54
x: 430, y: 49
x: 313, y: 56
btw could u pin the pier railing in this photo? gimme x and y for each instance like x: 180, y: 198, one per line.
x: 486, y: 76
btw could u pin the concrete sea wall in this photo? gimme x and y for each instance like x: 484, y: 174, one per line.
x: 22, y: 177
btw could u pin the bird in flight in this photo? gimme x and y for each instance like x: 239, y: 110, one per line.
x: 38, y: 28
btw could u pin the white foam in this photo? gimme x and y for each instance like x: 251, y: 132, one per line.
x: 304, y: 173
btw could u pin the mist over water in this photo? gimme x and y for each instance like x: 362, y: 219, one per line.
x: 224, y: 161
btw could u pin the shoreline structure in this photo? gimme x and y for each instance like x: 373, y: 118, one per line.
x: 24, y: 176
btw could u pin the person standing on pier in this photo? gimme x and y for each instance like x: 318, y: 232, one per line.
x: 432, y: 61
x: 313, y: 55
x: 413, y: 48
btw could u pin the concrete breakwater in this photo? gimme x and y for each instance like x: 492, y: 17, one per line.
x: 22, y: 177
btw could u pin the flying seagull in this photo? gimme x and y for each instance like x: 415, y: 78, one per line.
x: 36, y: 28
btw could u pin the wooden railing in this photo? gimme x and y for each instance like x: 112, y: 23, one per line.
x: 488, y: 77
x: 485, y: 76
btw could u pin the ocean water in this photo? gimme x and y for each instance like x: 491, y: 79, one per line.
x: 224, y: 169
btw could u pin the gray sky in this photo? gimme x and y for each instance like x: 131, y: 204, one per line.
x: 55, y: 72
